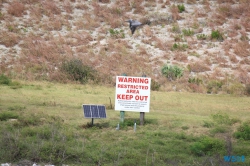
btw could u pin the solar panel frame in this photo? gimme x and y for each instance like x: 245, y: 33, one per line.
x: 94, y: 111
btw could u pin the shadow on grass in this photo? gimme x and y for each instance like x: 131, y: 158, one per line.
x: 128, y: 122
x: 95, y: 125
x: 132, y: 121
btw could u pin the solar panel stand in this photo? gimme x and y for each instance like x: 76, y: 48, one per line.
x: 92, y: 122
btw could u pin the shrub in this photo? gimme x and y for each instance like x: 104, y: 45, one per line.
x: 187, y: 32
x: 195, y: 81
x: 7, y: 115
x: 248, y: 89
x: 201, y: 37
x: 77, y: 71
x: 176, y: 28
x: 217, y: 35
x: 223, y: 119
x: 236, y: 89
x: 155, y: 86
x: 207, y: 146
x: 243, y: 132
x: 116, y: 33
x: 214, y: 86
x: 172, y: 72
x: 180, y: 47
x: 208, y: 124
x: 219, y: 129
x: 4, y: 80
x: 181, y: 8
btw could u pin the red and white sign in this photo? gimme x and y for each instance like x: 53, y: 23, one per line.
x: 132, y: 94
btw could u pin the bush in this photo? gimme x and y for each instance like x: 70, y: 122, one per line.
x: 214, y: 86
x: 155, y: 86
x: 195, y: 81
x: 4, y: 80
x: 243, y: 132
x: 116, y: 33
x: 187, y: 32
x: 248, y: 89
x: 77, y: 71
x: 201, y: 37
x: 176, y: 28
x: 216, y: 35
x: 208, y: 124
x: 224, y: 119
x: 7, y: 115
x: 207, y: 146
x: 236, y: 89
x: 181, y: 8
x: 172, y: 72
x: 180, y: 47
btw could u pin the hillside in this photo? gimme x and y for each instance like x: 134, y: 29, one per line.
x: 209, y: 39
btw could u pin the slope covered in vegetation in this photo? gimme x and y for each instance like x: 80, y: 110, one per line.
x: 208, y: 39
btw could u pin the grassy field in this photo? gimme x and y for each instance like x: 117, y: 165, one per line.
x: 43, y: 122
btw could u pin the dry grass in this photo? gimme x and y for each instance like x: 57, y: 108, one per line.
x: 233, y: 58
x: 175, y: 13
x: 51, y: 8
x: 68, y: 7
x: 242, y: 48
x: 104, y: 1
x: 191, y: 2
x: 199, y: 67
x: 9, y: 39
x: 178, y: 56
x: 16, y: 9
x: 36, y: 12
x: 30, y: 2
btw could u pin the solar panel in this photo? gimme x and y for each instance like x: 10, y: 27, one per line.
x: 94, y: 111
x: 102, y: 111
x: 87, y: 112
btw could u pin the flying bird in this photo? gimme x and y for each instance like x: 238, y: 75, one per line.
x: 133, y: 24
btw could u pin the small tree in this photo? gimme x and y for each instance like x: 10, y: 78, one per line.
x: 172, y: 72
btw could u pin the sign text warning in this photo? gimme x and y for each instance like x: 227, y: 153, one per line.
x: 132, y: 94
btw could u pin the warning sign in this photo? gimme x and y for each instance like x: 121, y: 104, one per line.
x: 132, y: 94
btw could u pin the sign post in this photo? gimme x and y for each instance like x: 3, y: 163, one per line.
x: 122, y: 115
x: 142, y: 114
x: 132, y: 94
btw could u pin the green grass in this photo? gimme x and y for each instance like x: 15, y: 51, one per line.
x: 180, y: 129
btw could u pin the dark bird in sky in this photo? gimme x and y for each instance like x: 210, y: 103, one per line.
x: 133, y: 24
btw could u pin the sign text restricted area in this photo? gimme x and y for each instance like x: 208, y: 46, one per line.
x: 132, y: 94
